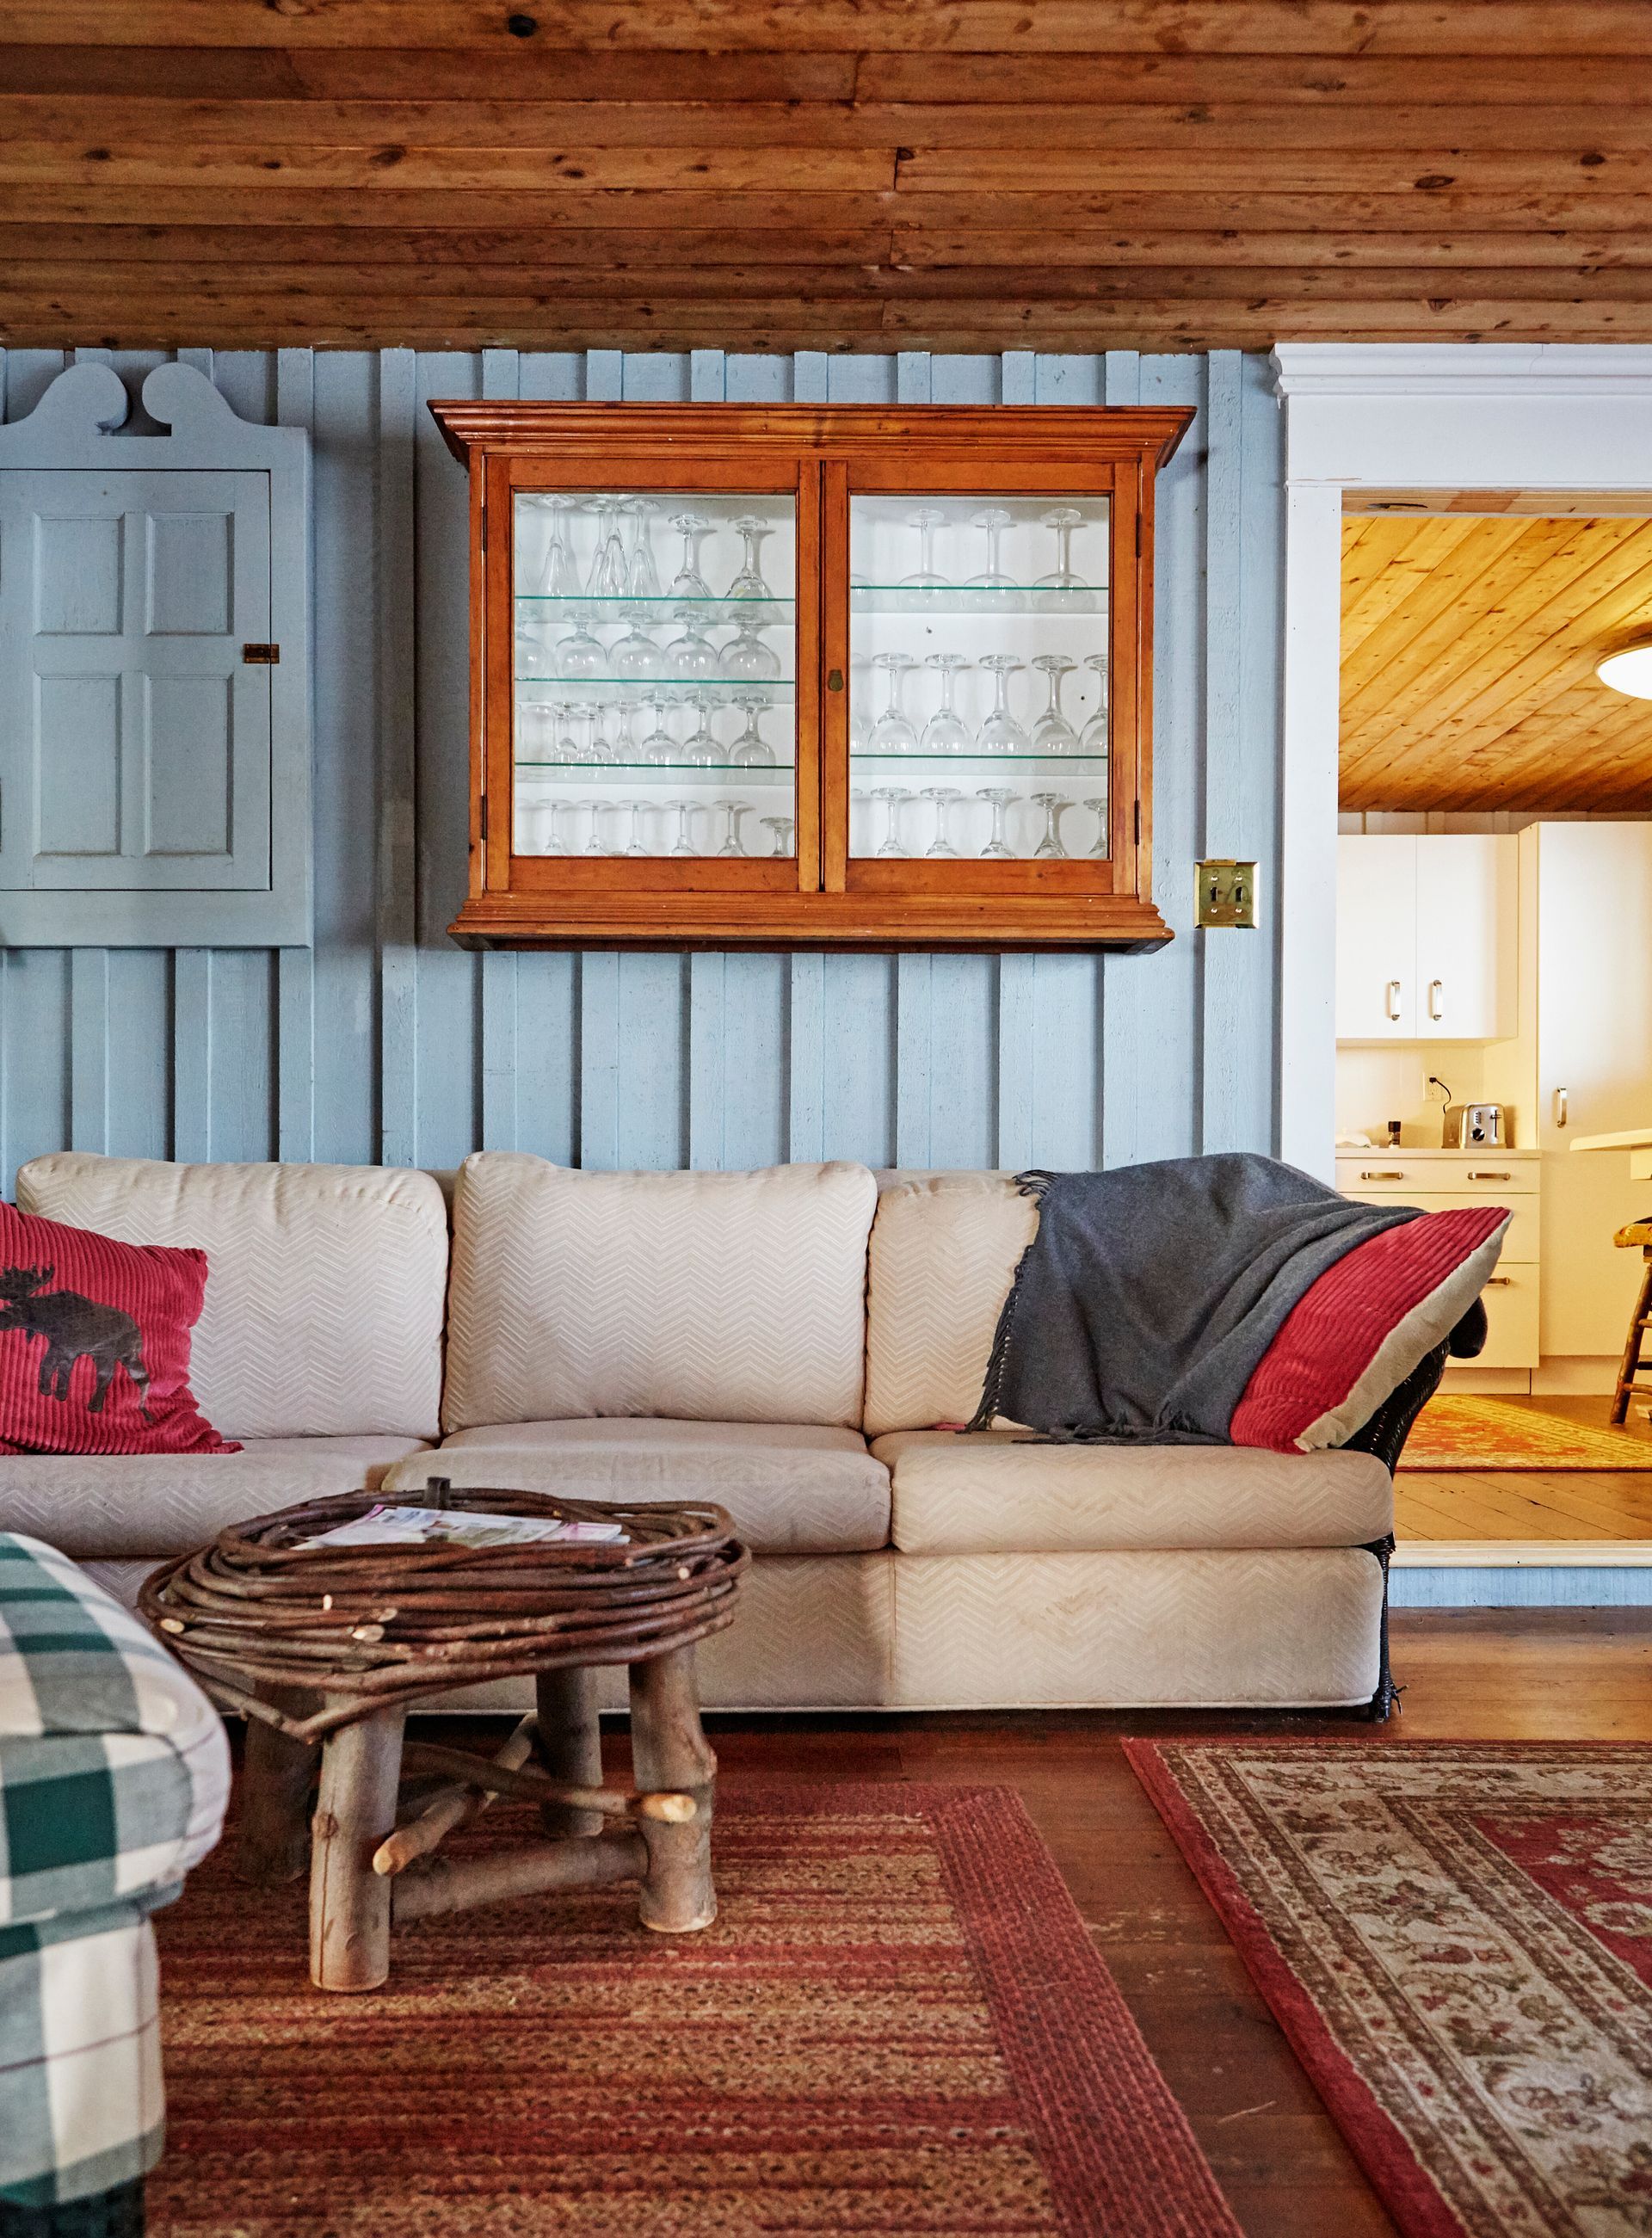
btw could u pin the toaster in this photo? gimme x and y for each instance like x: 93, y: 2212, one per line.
x: 1474, y: 1127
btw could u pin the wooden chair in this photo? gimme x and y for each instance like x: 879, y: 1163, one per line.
x: 1638, y: 1232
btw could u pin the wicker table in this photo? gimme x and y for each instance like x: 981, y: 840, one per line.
x: 324, y: 1650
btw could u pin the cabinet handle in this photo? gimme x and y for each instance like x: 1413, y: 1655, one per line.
x: 1562, y: 1111
x: 1436, y: 1006
x: 1499, y: 1282
x: 1474, y: 1175
x: 1374, y: 1176
x: 1393, y: 999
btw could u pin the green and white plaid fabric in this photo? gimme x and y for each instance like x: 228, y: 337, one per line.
x: 113, y: 1776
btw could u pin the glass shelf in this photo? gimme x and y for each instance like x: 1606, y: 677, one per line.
x: 676, y: 773
x: 615, y: 609
x: 983, y: 765
x: 780, y: 691
x: 963, y: 599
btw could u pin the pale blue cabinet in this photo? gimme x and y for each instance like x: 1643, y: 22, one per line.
x: 154, y: 705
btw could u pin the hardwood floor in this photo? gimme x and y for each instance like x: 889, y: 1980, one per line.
x: 1530, y: 1505
x: 1469, y: 1674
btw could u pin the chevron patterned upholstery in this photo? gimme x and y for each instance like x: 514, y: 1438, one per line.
x: 324, y: 1284
x: 792, y: 1488
x: 943, y: 1253
x: 718, y: 1297
x: 996, y: 1493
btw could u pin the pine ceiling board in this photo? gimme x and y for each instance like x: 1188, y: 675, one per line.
x: 1476, y: 689
x: 1384, y: 582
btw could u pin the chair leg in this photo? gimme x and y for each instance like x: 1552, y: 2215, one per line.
x: 1630, y: 1366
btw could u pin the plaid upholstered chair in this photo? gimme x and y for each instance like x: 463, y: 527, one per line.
x: 114, y: 1774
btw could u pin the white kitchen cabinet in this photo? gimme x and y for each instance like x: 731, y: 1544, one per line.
x: 1447, y: 1180
x: 1427, y: 937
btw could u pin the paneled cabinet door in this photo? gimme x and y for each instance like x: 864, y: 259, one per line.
x: 135, y: 742
x: 1467, y: 950
x: 1376, y: 939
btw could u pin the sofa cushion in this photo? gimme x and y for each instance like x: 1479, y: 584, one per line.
x: 323, y: 1314
x: 698, y: 1297
x: 134, y: 1507
x: 791, y: 1487
x: 994, y: 1493
x: 943, y: 1253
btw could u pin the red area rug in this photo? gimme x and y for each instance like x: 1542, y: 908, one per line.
x: 1457, y: 1941
x: 898, y: 2024
x: 1458, y: 1430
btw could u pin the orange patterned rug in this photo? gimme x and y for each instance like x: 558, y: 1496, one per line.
x: 899, y: 2023
x: 1465, y: 1433
x: 1458, y: 1940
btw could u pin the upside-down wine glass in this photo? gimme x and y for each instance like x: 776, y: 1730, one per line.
x: 995, y: 520
x: 1063, y: 518
x: 637, y: 654
x: 580, y: 655
x: 943, y: 796
x: 732, y: 810
x: 685, y: 841
x: 782, y: 827
x: 608, y: 569
x: 688, y: 582
x: 634, y: 834
x: 1092, y: 738
x: 701, y: 746
x: 658, y: 745
x: 559, y: 575
x: 750, y: 749
x: 598, y: 809
x: 926, y: 520
x: 893, y: 734
x: 1097, y: 806
x: 693, y: 654
x: 946, y: 731
x: 892, y: 797
x: 748, y: 583
x: 1049, y: 848
x: 1052, y: 733
x: 997, y: 797
x: 553, y: 817
x: 1001, y: 733
x: 746, y: 655
x: 642, y: 576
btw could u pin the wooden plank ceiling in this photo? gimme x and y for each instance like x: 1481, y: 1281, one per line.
x: 834, y: 174
x: 1468, y: 662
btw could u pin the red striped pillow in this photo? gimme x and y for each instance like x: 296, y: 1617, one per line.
x: 1363, y: 1326
x: 95, y: 1343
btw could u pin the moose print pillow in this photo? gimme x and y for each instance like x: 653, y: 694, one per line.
x: 95, y: 1343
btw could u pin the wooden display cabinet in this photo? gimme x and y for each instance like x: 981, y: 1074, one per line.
x: 790, y: 678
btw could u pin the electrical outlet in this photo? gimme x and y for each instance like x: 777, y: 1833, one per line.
x: 1226, y: 894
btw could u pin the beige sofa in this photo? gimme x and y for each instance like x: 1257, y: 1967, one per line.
x: 794, y: 1343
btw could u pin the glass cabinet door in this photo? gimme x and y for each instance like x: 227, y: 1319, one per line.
x: 654, y: 682
x: 980, y: 708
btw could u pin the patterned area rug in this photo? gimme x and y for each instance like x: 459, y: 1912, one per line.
x: 898, y: 2024
x: 1457, y: 1941
x: 1465, y: 1433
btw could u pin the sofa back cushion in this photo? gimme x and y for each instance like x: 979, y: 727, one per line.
x: 699, y: 1297
x: 324, y: 1284
x: 943, y: 1254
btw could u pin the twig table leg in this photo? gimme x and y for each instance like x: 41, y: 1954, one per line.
x: 671, y: 1751
x: 277, y: 1777
x: 355, y: 1810
x: 570, y: 1745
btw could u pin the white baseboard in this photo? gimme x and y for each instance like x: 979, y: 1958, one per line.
x: 1522, y: 1554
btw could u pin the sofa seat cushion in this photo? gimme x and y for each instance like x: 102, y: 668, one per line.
x: 994, y: 1493
x: 130, y: 1506
x: 792, y: 1488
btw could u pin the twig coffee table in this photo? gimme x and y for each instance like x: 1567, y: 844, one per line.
x: 330, y: 1645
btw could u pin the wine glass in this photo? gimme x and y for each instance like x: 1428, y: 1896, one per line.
x: 946, y: 731
x: 553, y: 845
x: 781, y: 826
x: 1052, y: 733
x: 995, y: 520
x: 688, y: 582
x: 926, y: 520
x: 1049, y: 848
x: 748, y: 583
x: 637, y: 654
x: 998, y: 798
x: 565, y: 746
x: 558, y: 576
x: 693, y: 654
x: 943, y: 797
x: 1092, y: 738
x: 642, y: 576
x: 594, y: 844
x: 581, y: 654
x: 732, y: 810
x: 894, y: 797
x: 750, y: 749
x: 1097, y: 806
x: 1063, y: 518
x: 1001, y: 733
x: 656, y: 745
x: 608, y: 569
x: 685, y: 841
x: 893, y: 734
x: 634, y: 832
x: 701, y: 746
x: 532, y: 650
x: 746, y: 655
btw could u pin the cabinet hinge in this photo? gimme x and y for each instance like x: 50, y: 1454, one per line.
x: 485, y: 524
x: 1137, y: 823
x: 483, y: 813
x: 1138, y: 536
x: 260, y: 656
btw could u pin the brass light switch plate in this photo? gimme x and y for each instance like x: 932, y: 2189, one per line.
x: 1226, y: 894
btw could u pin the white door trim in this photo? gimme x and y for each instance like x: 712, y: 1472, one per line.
x: 1402, y: 416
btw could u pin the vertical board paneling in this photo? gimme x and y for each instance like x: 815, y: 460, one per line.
x: 386, y: 1042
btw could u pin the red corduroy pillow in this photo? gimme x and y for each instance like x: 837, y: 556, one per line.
x: 95, y: 1343
x: 1367, y: 1321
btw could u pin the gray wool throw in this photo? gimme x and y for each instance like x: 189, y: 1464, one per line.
x: 1149, y: 1294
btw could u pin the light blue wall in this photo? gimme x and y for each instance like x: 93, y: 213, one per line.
x: 387, y: 1043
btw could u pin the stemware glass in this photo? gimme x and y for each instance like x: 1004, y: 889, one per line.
x: 746, y: 655
x: 893, y: 734
x: 926, y: 520
x: 997, y: 797
x: 559, y: 575
x: 1097, y: 806
x: 781, y: 826
x: 587, y: 712
x: 943, y: 797
x: 1063, y: 518
x: 637, y: 654
x: 702, y: 745
x: 683, y: 844
x: 946, y: 731
x: 580, y: 654
x: 995, y: 520
x: 732, y: 810
x: 750, y: 749
x: 1092, y: 738
x: 608, y: 568
x: 1001, y: 733
x: 642, y: 576
x: 748, y: 583
x: 533, y: 650
x: 1049, y: 848
x: 1052, y: 733
x: 599, y: 809
x: 553, y: 843
x: 894, y: 797
x: 532, y: 721
x: 693, y: 653
x: 688, y: 582
x: 634, y: 833
x: 658, y: 745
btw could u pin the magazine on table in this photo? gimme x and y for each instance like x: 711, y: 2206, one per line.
x: 385, y: 1524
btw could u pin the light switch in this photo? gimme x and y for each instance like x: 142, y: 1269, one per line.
x: 1226, y: 894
